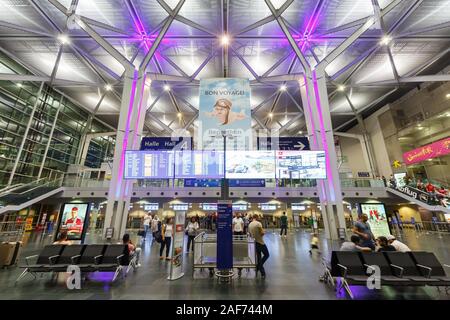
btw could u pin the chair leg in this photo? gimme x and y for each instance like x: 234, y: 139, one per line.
x: 347, y: 288
x: 116, y: 273
x: 23, y: 274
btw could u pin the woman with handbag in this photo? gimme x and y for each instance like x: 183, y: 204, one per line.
x: 191, y: 231
x: 166, y: 234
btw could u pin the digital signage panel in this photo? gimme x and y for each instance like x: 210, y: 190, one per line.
x: 300, y: 164
x: 149, y: 164
x: 377, y: 218
x: 199, y: 164
x: 257, y: 164
x: 74, y: 220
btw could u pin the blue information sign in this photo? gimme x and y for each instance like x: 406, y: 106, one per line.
x: 283, y: 143
x: 166, y: 143
x: 224, y: 235
x: 247, y: 183
x: 202, y: 183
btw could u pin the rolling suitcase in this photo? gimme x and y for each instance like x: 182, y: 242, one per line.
x: 9, y: 253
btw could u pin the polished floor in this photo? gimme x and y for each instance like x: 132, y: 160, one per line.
x: 291, y: 274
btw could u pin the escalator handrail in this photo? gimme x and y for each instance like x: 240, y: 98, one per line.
x: 39, y: 182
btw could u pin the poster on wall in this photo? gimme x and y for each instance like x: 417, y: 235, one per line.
x: 376, y: 213
x: 224, y: 107
x: 73, y: 220
x: 176, y: 263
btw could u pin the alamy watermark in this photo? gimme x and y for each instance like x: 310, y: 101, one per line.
x: 74, y: 279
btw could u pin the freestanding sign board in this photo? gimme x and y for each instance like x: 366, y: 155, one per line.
x: 176, y: 263
x: 224, y: 235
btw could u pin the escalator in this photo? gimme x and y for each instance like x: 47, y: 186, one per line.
x: 21, y: 196
x: 422, y: 199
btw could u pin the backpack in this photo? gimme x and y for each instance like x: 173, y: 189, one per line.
x: 158, y: 236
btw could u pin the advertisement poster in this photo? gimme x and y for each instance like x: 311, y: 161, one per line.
x: 256, y: 164
x: 224, y: 108
x: 300, y: 164
x: 377, y: 218
x: 29, y: 224
x: 176, y: 264
x: 73, y: 220
x: 433, y: 150
x: 224, y: 235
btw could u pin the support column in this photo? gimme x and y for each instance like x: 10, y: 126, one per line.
x: 318, y: 122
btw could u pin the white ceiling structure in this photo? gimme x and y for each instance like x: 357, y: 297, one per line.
x: 394, y: 55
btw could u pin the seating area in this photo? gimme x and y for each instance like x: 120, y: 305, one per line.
x: 395, y: 269
x: 89, y: 258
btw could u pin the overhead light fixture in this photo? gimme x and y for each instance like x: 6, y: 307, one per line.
x: 341, y: 87
x: 271, y: 114
x: 63, y: 38
x: 19, y: 85
x: 283, y: 88
x: 225, y: 40
x: 166, y: 87
x: 300, y: 132
x: 385, y: 40
x: 179, y: 115
x: 108, y: 87
x: 447, y: 95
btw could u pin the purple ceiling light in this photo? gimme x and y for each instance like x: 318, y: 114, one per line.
x: 311, y: 26
x: 143, y: 36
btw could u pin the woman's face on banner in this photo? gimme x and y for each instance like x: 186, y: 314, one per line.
x: 221, y: 113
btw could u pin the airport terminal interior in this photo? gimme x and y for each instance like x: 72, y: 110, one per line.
x: 225, y: 149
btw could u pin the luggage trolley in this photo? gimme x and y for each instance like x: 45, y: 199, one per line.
x: 205, y: 253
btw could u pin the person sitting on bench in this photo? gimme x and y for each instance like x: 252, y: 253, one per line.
x: 383, y: 245
x: 353, y: 245
x: 62, y: 239
x: 132, y: 249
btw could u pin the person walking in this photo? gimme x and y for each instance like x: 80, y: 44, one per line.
x: 155, y: 226
x: 362, y: 229
x: 147, y: 222
x: 191, y: 231
x: 262, y: 253
x: 166, y: 234
x: 238, y: 225
x: 314, y: 243
x: 284, y: 224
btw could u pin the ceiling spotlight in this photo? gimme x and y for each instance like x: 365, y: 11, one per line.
x: 19, y: 85
x: 385, y: 40
x: 63, y: 38
x: 341, y: 87
x: 166, y: 87
x: 225, y: 40
x: 271, y: 114
x: 283, y: 88
x: 300, y: 132
x: 108, y: 87
x: 179, y: 114
x: 447, y: 95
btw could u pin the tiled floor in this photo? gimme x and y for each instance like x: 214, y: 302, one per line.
x: 291, y: 274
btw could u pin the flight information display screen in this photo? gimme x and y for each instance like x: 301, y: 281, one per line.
x: 199, y: 164
x: 149, y: 164
x: 259, y: 164
x: 300, y: 164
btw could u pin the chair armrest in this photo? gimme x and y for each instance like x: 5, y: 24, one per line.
x: 400, y: 268
x: 343, y: 267
x: 50, y: 259
x: 118, y: 258
x: 426, y: 268
x: 369, y: 267
x: 97, y: 257
x: 74, y: 257
x: 446, y: 265
x: 29, y: 257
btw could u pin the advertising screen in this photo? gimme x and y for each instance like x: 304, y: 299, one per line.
x: 199, y: 164
x: 257, y: 164
x: 300, y: 164
x: 149, y: 164
x: 73, y: 220
x: 377, y: 218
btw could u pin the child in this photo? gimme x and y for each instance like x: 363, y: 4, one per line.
x: 314, y: 243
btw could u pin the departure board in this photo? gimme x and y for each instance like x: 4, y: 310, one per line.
x: 149, y: 164
x: 199, y: 164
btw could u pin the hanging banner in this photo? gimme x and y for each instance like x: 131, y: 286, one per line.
x: 224, y: 235
x: 225, y: 109
x: 176, y: 263
x: 436, y: 149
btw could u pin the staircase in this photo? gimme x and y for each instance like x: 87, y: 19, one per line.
x: 18, y: 197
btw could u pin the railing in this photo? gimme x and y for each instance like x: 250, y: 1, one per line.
x: 11, y: 231
x: 362, y: 183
